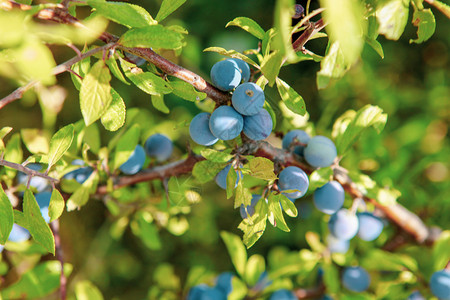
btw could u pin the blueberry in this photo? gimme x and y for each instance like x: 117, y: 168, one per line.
x: 293, y: 178
x: 18, y: 234
x: 249, y: 210
x: 135, y: 161
x: 39, y: 183
x: 158, y: 146
x: 259, y: 126
x: 81, y: 174
x: 440, y: 284
x: 370, y: 226
x: 299, y: 11
x: 343, y: 224
x: 248, y: 99
x: 283, y: 294
x: 356, y: 279
x: 263, y: 282
x: 300, y: 136
x: 199, y: 130
x: 320, y: 151
x: 416, y: 296
x: 224, y: 282
x: 43, y: 200
x: 221, y: 177
x: 336, y: 245
x: 329, y: 198
x: 226, y: 75
x: 244, y: 68
x: 204, y: 292
x: 226, y: 123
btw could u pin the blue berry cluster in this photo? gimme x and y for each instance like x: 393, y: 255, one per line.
x: 246, y: 113
x: 219, y: 291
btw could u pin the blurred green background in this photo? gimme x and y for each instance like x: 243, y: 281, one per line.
x: 411, y: 84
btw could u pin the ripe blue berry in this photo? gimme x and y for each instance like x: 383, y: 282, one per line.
x: 204, y: 292
x: 440, y: 284
x: 356, y: 279
x: 43, y: 200
x: 259, y: 126
x: 226, y: 123
x: 221, y: 177
x: 199, y: 130
x: 226, y: 75
x: 283, y: 294
x: 329, y: 198
x: 416, y: 296
x: 243, y: 67
x: 343, y: 224
x: 248, y: 99
x: 370, y: 226
x: 249, y: 210
x: 300, y: 136
x: 336, y: 245
x: 135, y: 161
x: 18, y: 234
x: 158, y: 146
x: 81, y: 174
x: 320, y: 151
x: 224, y: 282
x: 293, y: 178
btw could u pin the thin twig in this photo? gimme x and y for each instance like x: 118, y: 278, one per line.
x: 442, y: 7
x: 17, y: 94
x: 59, y: 255
x: 26, y: 170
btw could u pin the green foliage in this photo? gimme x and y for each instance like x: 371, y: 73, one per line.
x: 6, y: 216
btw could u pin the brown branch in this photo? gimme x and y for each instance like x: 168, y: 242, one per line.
x: 311, y: 293
x: 59, y: 255
x: 26, y: 170
x: 17, y: 94
x: 309, y: 32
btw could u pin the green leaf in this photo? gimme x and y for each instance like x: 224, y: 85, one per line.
x: 81, y: 195
x: 126, y: 145
x: 239, y: 289
x: 233, y: 54
x: 95, y: 93
x: 375, y: 46
x: 35, y: 140
x: 36, y: 225
x: 392, y: 15
x: 331, y: 277
x: 56, y: 207
x: 81, y: 68
x: 287, y: 205
x: 243, y: 195
x: 154, y: 36
x: 168, y: 7
x: 129, y: 15
x: 262, y: 168
x: 186, y: 91
x: 378, y: 259
x: 114, y: 68
x: 38, y: 282
x: 440, y: 250
x: 91, y: 137
x: 147, y: 231
x: 59, y: 144
x: 270, y: 66
x: 148, y: 82
x: 291, y: 98
x: 255, y: 266
x: 346, y: 25
x: 254, y: 226
x: 86, y: 290
x: 248, y: 25
x: 236, y: 250
x: 333, y: 66
x: 368, y: 116
x: 424, y: 20
x: 319, y: 177
x: 206, y: 170
x: 13, y: 153
x: 276, y: 217
x: 159, y: 104
x: 216, y: 156
x: 282, y: 42
x: 231, y: 179
x: 114, y: 116
x: 6, y: 216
